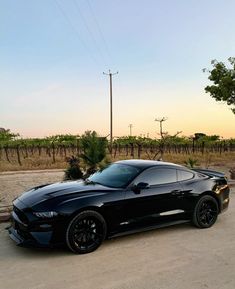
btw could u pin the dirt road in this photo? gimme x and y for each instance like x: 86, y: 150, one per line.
x: 179, y: 257
x: 12, y: 184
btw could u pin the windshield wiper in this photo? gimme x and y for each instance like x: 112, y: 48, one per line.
x: 92, y: 182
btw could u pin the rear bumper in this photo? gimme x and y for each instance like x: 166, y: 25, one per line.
x: 224, y: 198
x: 224, y: 205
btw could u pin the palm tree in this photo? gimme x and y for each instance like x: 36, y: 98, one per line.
x: 93, y: 151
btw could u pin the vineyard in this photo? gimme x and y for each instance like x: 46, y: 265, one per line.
x: 51, y: 152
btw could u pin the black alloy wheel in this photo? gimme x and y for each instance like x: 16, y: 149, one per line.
x: 86, y: 232
x: 206, y: 212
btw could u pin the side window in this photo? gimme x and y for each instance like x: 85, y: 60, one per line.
x: 157, y: 176
x: 184, y: 175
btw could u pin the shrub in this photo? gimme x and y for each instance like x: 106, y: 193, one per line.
x: 232, y: 173
x: 73, y: 172
x: 191, y: 163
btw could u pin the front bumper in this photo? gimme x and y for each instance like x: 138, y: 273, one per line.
x: 27, y: 230
x: 39, y: 241
x: 23, y: 236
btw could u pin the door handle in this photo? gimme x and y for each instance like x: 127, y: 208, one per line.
x: 177, y: 193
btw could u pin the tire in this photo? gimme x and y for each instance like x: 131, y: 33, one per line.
x: 85, y: 232
x: 205, y: 212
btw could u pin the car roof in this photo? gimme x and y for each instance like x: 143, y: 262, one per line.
x: 143, y: 164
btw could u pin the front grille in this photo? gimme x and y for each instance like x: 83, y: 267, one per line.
x: 21, y: 215
x: 23, y: 233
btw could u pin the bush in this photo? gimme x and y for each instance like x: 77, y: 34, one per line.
x: 73, y: 172
x: 232, y: 173
x: 191, y: 163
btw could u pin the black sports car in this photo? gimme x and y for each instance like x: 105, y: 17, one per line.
x: 126, y: 197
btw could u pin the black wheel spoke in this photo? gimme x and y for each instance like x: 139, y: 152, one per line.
x: 96, y: 241
x: 87, y: 233
x: 207, y: 212
x: 96, y: 234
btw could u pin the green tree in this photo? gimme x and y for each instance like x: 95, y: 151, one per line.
x: 7, y: 135
x: 206, y: 138
x: 94, y: 151
x: 223, y: 79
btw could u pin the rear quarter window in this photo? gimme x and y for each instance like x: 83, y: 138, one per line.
x: 184, y: 175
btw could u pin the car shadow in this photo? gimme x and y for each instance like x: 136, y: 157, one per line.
x: 150, y: 233
x: 109, y: 244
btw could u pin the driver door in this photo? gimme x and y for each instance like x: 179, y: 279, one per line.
x: 159, y: 197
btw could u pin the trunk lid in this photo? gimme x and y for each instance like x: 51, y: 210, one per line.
x: 219, y: 177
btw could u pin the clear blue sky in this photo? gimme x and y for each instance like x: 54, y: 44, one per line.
x: 53, y: 53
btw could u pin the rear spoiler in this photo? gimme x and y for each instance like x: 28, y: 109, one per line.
x: 210, y: 173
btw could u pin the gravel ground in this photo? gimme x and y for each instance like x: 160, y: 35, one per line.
x: 176, y: 257
x: 12, y: 184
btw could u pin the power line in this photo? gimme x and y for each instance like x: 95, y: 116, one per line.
x: 89, y: 30
x: 99, y: 29
x: 59, y: 6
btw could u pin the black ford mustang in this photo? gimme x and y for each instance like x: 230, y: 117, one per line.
x: 126, y: 197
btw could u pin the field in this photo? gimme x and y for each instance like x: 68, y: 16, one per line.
x: 52, y: 152
x: 46, y: 158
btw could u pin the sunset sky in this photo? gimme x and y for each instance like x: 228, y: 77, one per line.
x: 53, y: 54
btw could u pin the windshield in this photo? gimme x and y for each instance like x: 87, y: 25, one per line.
x: 115, y: 176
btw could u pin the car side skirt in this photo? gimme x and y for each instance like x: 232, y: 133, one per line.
x: 149, y: 228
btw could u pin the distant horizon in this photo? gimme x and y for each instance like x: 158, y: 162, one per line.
x: 143, y: 135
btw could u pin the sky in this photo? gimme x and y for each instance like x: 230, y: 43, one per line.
x: 53, y: 54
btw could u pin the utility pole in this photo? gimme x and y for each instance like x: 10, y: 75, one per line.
x: 130, y: 126
x: 161, y: 120
x: 111, y: 105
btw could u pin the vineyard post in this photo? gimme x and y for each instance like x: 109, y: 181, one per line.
x: 53, y: 152
x: 18, y: 154
x: 203, y: 147
x: 132, y: 150
x: 220, y: 149
x: 39, y: 150
x: 139, y: 150
x: 65, y: 152
x: 6, y: 152
x: 193, y: 145
x: 115, y: 150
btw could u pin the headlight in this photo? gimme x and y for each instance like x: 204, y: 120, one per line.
x: 50, y: 214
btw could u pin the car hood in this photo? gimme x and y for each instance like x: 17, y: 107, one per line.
x: 39, y: 194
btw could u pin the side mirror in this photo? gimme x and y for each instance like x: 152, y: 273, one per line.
x: 139, y: 187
